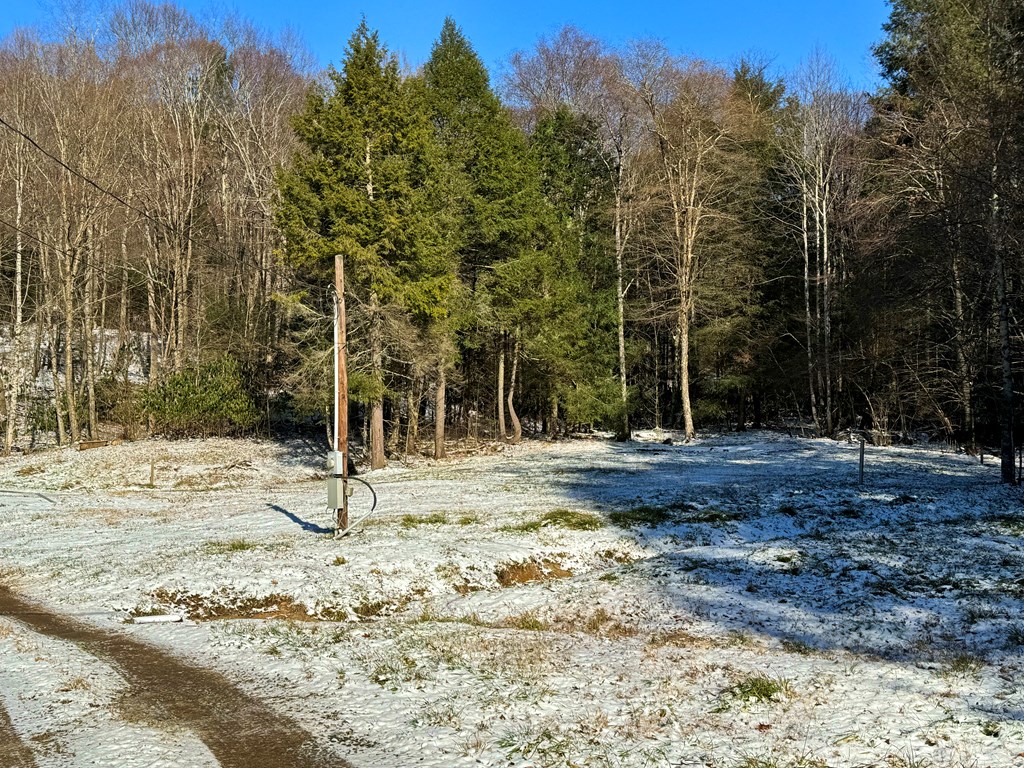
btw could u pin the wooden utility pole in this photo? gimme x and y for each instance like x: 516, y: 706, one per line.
x: 341, y: 389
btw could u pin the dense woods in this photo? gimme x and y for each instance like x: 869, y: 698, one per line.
x: 608, y: 237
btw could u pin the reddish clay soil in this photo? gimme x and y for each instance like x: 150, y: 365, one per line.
x: 239, y: 730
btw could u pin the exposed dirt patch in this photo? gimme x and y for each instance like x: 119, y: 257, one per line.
x: 14, y: 753
x: 239, y: 730
x: 226, y: 605
x: 617, y: 557
x: 511, y: 574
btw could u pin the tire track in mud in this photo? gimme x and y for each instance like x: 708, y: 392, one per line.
x: 239, y: 730
x: 14, y: 753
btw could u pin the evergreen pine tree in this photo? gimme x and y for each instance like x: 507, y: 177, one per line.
x: 366, y: 188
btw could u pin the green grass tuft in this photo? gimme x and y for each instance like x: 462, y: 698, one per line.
x: 760, y: 688
x: 227, y: 547
x: 434, y: 518
x: 575, y: 521
x: 644, y: 515
x: 561, y: 518
x: 530, y: 526
x: 963, y: 665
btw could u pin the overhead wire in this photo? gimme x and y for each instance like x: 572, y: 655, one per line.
x: 130, y: 206
x: 91, y: 182
x: 105, y: 271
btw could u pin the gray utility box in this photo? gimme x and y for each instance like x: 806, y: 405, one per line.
x: 335, y: 462
x: 334, y: 491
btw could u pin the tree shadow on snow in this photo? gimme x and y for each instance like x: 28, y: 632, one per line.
x: 921, y: 564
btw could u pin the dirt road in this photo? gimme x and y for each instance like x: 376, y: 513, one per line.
x: 13, y: 751
x: 239, y: 731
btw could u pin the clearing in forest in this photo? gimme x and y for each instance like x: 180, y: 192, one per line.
x: 739, y: 601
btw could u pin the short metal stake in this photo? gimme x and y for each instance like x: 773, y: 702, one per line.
x: 862, y: 462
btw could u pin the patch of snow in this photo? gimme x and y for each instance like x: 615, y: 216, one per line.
x: 461, y: 626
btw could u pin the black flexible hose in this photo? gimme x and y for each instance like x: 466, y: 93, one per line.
x: 372, y: 492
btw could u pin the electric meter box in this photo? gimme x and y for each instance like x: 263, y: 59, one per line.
x: 334, y: 491
x: 335, y: 462
x: 334, y: 486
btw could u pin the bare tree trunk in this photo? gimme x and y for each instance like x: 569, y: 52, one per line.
x: 17, y: 365
x: 657, y: 380
x: 69, y: 358
x: 805, y: 224
x: 413, y: 404
x: 48, y: 332
x: 517, y: 427
x: 123, y: 358
x: 620, y: 246
x: 964, y: 381
x: 439, y: 414
x: 58, y: 398
x: 684, y: 373
x: 377, y: 459
x: 154, y: 329
x: 394, y: 435
x: 826, y: 289
x: 88, y: 333
x: 553, y: 430
x: 502, y: 434
x: 1006, y: 404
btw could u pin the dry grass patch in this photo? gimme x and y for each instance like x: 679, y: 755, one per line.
x: 679, y: 638
x: 530, y: 572
x: 558, y: 518
x: 617, y: 557
x: 458, y: 580
x: 226, y: 605
x: 573, y: 520
x: 528, y: 621
x: 601, y: 623
x: 372, y: 609
x: 964, y: 667
x: 111, y: 515
x: 74, y: 684
x: 228, y: 547
x: 49, y: 743
x: 757, y: 688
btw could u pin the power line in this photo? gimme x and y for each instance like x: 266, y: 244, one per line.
x: 89, y: 181
x: 110, y: 272
x: 127, y: 204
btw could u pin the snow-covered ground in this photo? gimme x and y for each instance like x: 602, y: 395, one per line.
x: 738, y: 602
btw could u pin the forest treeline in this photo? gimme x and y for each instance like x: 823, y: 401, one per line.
x: 609, y: 236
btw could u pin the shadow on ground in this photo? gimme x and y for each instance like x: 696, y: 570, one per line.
x: 303, y: 524
x: 924, y: 563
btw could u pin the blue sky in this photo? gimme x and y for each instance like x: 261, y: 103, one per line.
x: 784, y: 31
